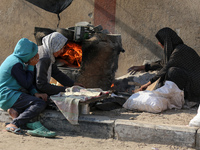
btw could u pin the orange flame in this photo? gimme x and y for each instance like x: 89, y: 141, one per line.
x: 112, y: 85
x: 72, y: 54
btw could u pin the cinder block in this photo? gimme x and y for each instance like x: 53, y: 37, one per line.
x: 4, y: 116
x: 89, y: 125
x: 198, y: 139
x: 130, y: 130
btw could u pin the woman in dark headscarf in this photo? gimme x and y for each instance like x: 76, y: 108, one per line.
x: 181, y: 65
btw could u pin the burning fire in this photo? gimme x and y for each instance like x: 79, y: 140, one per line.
x: 112, y: 85
x: 72, y: 54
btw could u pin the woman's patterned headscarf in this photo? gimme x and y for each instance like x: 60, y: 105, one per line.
x: 51, y: 44
x: 169, y: 39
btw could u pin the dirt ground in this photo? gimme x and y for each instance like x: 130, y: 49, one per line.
x: 10, y: 141
x: 172, y: 117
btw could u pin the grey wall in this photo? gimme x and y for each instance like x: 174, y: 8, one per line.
x: 18, y: 19
x: 136, y: 20
x: 139, y: 20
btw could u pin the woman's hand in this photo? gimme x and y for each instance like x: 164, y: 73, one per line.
x: 132, y: 70
x: 144, y: 87
x: 43, y: 96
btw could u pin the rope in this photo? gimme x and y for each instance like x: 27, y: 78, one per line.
x: 58, y: 20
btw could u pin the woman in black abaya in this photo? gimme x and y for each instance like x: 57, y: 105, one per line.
x: 181, y: 65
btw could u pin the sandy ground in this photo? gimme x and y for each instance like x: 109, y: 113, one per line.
x: 172, y: 117
x: 10, y: 141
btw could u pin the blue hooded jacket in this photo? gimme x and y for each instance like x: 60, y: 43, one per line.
x: 14, y: 75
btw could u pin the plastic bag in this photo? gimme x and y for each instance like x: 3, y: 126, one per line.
x: 166, y: 97
x: 195, y: 122
x: 54, y: 6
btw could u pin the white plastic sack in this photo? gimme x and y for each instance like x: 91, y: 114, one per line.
x: 166, y: 97
x: 195, y: 122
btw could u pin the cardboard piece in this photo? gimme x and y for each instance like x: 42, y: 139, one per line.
x: 153, y: 86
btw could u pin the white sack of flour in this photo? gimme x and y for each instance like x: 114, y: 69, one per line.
x: 166, y: 97
x: 195, y: 122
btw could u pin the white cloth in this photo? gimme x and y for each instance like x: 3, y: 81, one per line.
x: 51, y: 44
x: 68, y: 103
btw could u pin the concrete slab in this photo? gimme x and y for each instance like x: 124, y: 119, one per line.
x: 198, y: 139
x: 120, y: 129
x: 89, y: 125
x: 153, y: 133
x: 4, y: 116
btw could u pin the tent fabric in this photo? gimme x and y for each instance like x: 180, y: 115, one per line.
x: 54, y: 6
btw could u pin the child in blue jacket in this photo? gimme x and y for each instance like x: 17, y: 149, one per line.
x: 18, y: 95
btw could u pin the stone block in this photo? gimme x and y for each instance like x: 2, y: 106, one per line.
x: 198, y: 139
x: 89, y: 125
x: 4, y: 116
x: 129, y: 130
